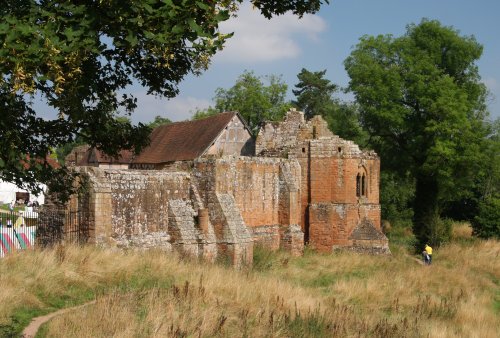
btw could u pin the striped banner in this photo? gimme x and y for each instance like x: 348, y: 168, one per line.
x: 16, y: 238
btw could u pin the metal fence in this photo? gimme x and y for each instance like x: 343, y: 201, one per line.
x: 42, y: 227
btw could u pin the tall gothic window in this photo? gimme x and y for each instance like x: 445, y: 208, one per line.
x: 361, y: 185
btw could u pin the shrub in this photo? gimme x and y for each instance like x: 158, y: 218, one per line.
x: 441, y: 232
x: 487, y: 223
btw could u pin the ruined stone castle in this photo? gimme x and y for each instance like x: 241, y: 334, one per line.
x: 208, y: 189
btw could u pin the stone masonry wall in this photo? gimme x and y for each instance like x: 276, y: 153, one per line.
x: 304, y: 187
x: 187, y: 235
x: 331, y: 224
x: 234, y: 239
x: 254, y: 183
x: 131, y: 207
x: 266, y: 193
x: 339, y: 181
x: 150, y: 209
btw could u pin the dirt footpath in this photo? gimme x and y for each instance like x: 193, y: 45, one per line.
x: 31, y: 330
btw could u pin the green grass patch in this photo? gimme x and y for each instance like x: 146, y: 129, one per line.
x: 144, y: 280
x: 19, y: 320
x: 71, y: 296
x: 42, y: 331
x: 265, y: 259
x: 6, y: 208
x: 401, y: 237
x: 323, y: 280
x: 313, y: 324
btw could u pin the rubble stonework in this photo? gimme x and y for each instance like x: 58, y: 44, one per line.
x: 305, y: 185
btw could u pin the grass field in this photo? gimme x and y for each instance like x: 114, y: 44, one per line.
x: 152, y: 294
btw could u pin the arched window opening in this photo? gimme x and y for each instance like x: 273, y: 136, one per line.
x: 358, y: 185
x: 363, y: 186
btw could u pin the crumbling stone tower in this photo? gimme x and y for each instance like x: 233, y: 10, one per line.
x: 339, y: 183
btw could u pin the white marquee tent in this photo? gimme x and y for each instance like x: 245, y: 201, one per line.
x: 8, y: 193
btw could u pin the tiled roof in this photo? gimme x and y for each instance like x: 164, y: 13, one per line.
x: 50, y: 161
x: 93, y: 155
x: 183, y: 141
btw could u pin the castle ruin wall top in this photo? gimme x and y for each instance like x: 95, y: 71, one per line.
x: 295, y: 133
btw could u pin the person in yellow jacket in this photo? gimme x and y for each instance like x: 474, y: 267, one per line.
x: 428, y: 250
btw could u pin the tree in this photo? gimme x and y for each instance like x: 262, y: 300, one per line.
x: 255, y: 101
x: 486, y: 221
x: 315, y: 97
x: 77, y: 55
x: 314, y: 93
x: 423, y: 105
x: 204, y: 113
x: 159, y: 121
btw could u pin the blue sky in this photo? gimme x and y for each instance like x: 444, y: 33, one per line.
x: 284, y: 45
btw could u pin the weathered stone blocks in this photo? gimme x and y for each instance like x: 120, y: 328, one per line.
x: 306, y: 186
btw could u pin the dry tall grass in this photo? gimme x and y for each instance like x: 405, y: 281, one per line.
x: 151, y: 294
x: 461, y: 231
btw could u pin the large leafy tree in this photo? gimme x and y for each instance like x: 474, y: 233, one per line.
x: 423, y: 105
x: 78, y: 55
x: 255, y: 100
x: 315, y: 96
x: 486, y: 199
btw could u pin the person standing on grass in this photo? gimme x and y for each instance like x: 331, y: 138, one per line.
x: 425, y: 257
x: 428, y: 250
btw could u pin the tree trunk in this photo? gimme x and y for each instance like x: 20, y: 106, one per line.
x: 425, y: 210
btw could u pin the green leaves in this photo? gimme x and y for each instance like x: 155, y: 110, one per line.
x: 315, y: 97
x: 420, y: 95
x: 314, y: 93
x: 253, y: 99
x: 76, y: 55
x: 276, y: 7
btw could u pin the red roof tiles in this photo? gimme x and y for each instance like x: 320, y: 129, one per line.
x: 183, y: 141
x: 93, y: 155
x: 52, y: 162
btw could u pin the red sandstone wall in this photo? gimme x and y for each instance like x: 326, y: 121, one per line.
x: 334, y: 207
x: 254, y: 186
x: 331, y: 224
x: 258, y: 189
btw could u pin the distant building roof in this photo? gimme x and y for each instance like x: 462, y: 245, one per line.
x: 93, y: 156
x: 76, y: 155
x: 182, y: 141
x: 52, y: 162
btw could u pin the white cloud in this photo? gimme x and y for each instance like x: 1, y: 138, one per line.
x: 257, y: 39
x: 176, y: 109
